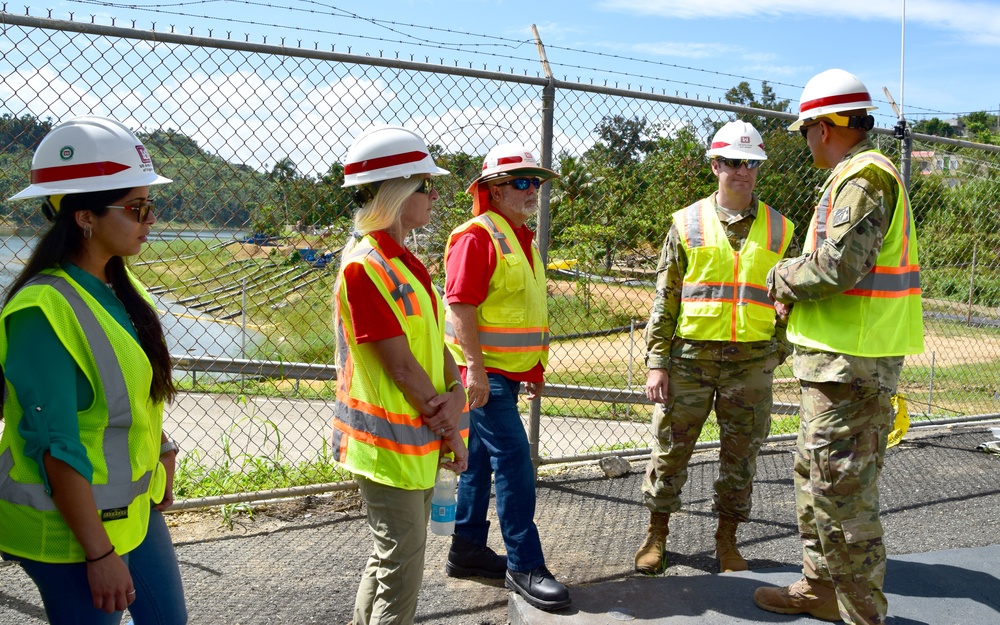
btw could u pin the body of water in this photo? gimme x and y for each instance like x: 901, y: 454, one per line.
x: 188, y: 332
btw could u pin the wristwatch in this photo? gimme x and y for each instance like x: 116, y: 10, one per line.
x: 170, y: 445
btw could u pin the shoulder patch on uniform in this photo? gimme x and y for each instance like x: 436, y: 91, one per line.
x: 841, y: 216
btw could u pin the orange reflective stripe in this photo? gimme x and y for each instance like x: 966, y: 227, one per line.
x: 889, y: 282
x: 498, y: 235
x: 495, y: 339
x: 400, y: 291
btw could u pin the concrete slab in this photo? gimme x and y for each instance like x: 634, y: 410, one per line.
x: 953, y: 587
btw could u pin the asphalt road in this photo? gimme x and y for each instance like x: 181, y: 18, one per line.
x: 299, y: 562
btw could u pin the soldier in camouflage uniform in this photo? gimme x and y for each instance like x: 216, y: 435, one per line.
x: 712, y: 343
x: 855, y: 314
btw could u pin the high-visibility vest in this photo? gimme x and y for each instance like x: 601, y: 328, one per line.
x: 513, y: 319
x: 120, y: 431
x: 724, y: 297
x: 881, y: 315
x: 376, y: 432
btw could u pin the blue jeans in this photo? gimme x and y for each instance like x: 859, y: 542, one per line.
x: 498, y: 445
x: 159, y: 598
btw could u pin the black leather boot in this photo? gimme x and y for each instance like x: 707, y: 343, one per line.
x: 539, y: 588
x: 467, y: 559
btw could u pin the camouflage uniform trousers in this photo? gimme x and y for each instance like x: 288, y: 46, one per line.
x: 740, y: 393
x: 840, y: 452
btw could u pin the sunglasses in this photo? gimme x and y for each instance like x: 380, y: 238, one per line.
x: 804, y: 130
x: 142, y: 210
x: 522, y: 184
x: 426, y: 186
x: 736, y: 162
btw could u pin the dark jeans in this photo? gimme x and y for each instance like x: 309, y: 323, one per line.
x: 498, y: 446
x: 159, y: 598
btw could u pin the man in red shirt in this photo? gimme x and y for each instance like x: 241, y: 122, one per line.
x: 498, y: 332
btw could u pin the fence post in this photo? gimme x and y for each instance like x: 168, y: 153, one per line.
x: 544, y: 228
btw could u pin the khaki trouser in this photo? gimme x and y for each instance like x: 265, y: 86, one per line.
x: 391, y: 580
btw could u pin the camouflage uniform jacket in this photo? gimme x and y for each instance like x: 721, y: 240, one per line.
x: 846, y: 255
x: 662, y: 344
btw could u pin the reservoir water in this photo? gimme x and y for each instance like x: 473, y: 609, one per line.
x: 188, y: 332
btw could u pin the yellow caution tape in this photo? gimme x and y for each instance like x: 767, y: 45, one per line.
x: 902, y: 422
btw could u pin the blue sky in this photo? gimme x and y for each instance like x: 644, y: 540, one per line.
x: 952, y: 47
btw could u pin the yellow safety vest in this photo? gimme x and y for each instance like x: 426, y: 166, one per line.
x: 120, y: 431
x: 376, y: 432
x: 513, y: 319
x: 724, y: 297
x: 881, y: 315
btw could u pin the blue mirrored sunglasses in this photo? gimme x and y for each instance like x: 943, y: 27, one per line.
x: 521, y: 184
x: 736, y: 162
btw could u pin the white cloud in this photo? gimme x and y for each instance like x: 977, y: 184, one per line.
x: 980, y: 21
x: 44, y: 94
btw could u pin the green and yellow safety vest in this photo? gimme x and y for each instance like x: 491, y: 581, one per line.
x: 120, y: 431
x: 513, y: 319
x: 724, y: 297
x: 881, y: 315
x: 376, y: 432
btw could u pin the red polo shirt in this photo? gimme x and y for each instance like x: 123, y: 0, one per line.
x: 372, y: 316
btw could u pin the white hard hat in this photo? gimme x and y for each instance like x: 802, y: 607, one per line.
x: 737, y: 140
x: 832, y: 91
x: 387, y: 152
x: 86, y: 154
x: 509, y: 160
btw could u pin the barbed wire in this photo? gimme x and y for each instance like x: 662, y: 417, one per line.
x: 468, y: 47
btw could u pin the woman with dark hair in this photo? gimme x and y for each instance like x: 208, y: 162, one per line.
x: 85, y: 468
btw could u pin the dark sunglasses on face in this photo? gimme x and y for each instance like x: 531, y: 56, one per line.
x: 736, y: 162
x: 521, y: 184
x: 426, y: 186
x: 142, y: 210
x: 804, y: 130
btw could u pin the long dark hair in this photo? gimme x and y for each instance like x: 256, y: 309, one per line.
x: 62, y: 243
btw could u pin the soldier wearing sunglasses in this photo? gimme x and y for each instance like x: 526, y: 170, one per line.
x: 712, y: 342
x: 498, y: 333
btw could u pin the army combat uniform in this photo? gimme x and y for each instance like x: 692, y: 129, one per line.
x: 732, y: 377
x: 861, y: 252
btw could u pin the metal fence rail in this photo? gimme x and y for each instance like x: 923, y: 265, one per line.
x: 243, y: 270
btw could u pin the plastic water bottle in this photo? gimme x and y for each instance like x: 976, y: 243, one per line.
x: 443, y: 503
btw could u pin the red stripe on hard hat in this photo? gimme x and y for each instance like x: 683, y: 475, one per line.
x: 506, y: 160
x: 834, y: 99
x: 719, y: 144
x: 384, y: 161
x: 74, y: 172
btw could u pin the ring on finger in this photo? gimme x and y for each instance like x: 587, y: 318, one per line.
x: 131, y: 592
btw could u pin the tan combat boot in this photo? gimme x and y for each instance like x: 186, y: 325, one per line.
x: 649, y: 558
x: 725, y: 546
x: 806, y: 596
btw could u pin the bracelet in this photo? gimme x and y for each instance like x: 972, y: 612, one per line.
x: 453, y: 384
x: 169, y: 446
x: 90, y: 560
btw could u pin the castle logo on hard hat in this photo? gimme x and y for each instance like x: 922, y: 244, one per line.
x: 143, y: 154
x: 66, y: 152
x: 745, y: 139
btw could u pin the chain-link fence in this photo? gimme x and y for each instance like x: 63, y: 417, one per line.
x: 246, y: 247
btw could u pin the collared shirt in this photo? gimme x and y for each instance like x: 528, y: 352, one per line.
x: 374, y: 318
x: 847, y: 254
x: 661, y: 341
x: 474, y: 249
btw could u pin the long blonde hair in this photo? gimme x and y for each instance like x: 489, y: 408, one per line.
x: 382, y: 212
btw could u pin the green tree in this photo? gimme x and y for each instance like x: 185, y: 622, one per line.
x: 936, y: 127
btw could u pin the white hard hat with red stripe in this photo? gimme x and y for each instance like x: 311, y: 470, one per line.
x: 509, y: 160
x: 738, y: 140
x: 387, y: 152
x: 832, y: 91
x: 86, y: 154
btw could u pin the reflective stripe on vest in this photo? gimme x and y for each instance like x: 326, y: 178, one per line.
x: 495, y: 340
x: 723, y: 297
x: 120, y: 490
x: 401, y: 292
